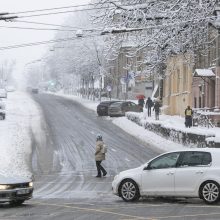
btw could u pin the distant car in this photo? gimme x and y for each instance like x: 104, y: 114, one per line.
x: 15, y: 190
x: 186, y: 173
x: 35, y: 90
x: 2, y: 110
x: 3, y: 93
x: 119, y: 108
x: 102, y: 108
x: 10, y: 88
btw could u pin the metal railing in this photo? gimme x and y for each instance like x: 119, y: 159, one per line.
x: 202, y: 117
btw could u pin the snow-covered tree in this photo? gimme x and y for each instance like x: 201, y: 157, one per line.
x: 80, y: 57
x: 158, y: 27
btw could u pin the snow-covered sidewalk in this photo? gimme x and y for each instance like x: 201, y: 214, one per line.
x: 16, y: 134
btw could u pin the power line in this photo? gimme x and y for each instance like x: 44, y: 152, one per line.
x: 55, y: 25
x: 102, y: 33
x: 62, y: 12
x: 41, y: 43
x: 46, y: 24
x: 39, y: 29
x: 65, y: 7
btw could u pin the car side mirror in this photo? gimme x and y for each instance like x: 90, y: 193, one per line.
x: 148, y: 167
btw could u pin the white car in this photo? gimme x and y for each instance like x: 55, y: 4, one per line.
x: 3, y: 93
x: 186, y: 173
x: 15, y: 190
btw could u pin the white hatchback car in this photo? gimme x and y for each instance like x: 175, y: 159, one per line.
x: 186, y: 173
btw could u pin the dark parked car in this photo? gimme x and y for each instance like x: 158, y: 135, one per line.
x: 102, y: 108
x: 15, y: 190
x: 119, y: 108
x: 35, y: 90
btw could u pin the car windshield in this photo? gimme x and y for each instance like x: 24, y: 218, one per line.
x: 116, y: 104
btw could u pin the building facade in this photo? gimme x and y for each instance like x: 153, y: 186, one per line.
x: 177, y: 92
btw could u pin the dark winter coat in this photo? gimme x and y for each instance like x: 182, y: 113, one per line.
x: 157, y: 107
x: 149, y: 103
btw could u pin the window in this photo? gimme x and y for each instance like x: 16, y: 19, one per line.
x: 194, y: 158
x: 165, y: 161
x: 200, y: 102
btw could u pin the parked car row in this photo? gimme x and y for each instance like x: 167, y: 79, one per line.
x: 117, y: 108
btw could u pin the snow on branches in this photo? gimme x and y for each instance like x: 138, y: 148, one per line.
x: 166, y: 27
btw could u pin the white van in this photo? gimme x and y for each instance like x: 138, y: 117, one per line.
x: 3, y: 93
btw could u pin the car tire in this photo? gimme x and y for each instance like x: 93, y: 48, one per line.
x: 210, y: 192
x: 129, y: 190
x: 16, y: 202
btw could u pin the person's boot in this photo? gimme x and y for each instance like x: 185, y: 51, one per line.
x: 105, y: 173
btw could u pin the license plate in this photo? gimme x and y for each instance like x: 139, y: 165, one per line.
x: 23, y: 191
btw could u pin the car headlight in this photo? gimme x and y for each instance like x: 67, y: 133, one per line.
x: 31, y: 184
x: 4, y: 187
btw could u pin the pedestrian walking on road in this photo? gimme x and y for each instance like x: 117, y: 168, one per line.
x: 188, y: 117
x: 157, y: 110
x: 100, y: 156
x: 149, y: 104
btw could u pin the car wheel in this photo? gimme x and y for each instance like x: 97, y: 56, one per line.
x: 129, y: 190
x: 209, y: 192
x: 16, y: 202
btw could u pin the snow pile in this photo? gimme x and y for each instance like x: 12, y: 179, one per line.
x: 15, y: 135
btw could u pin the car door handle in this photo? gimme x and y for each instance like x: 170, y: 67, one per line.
x: 199, y: 172
x: 170, y: 173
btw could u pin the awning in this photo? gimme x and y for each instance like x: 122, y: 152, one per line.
x: 203, y: 73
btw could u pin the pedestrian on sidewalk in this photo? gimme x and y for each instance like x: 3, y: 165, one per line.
x: 188, y: 117
x: 157, y: 109
x: 149, y: 104
x: 100, y: 156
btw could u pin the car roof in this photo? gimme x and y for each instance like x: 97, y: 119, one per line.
x: 107, y: 102
x: 205, y: 149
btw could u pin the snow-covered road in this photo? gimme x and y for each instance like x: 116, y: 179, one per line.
x: 73, y: 129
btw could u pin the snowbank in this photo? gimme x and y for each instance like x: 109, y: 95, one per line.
x: 15, y: 134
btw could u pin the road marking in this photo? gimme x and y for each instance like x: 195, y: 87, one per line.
x: 92, y: 210
x: 127, y: 159
x: 113, y: 149
x: 125, y: 215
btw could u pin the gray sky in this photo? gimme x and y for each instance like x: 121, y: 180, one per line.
x: 10, y: 37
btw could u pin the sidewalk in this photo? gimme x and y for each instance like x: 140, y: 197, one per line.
x: 173, y: 128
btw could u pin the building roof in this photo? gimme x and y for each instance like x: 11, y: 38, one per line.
x: 203, y: 73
